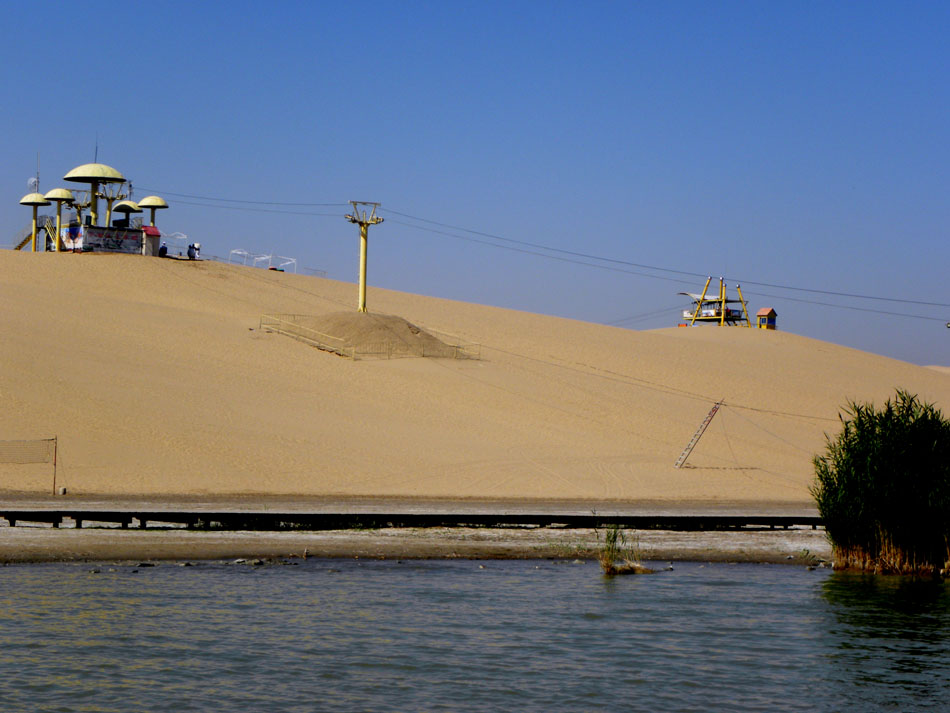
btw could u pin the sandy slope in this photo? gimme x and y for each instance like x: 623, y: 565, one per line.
x: 157, y: 380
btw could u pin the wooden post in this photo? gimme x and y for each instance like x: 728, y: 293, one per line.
x: 55, y: 449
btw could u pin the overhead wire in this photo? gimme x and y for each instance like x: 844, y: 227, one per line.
x: 736, y: 464
x: 628, y: 380
x: 612, y: 268
x: 775, y: 436
x: 725, y: 435
x: 572, y: 253
x: 851, y: 307
x: 617, y: 377
x: 544, y: 255
x: 655, y: 386
x: 571, y: 256
x: 238, y: 200
x: 263, y: 277
x: 643, y: 316
x: 581, y: 258
x: 665, y: 269
x: 258, y: 210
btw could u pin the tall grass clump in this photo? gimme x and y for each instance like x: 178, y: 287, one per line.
x: 616, y: 557
x: 611, y: 551
x: 883, y: 488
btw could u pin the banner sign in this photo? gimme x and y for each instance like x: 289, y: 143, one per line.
x: 71, y: 236
x: 115, y: 240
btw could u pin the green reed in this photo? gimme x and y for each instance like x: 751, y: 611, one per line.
x: 616, y: 556
x: 883, y: 488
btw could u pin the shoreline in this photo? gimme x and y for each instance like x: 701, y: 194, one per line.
x: 43, y: 543
x: 26, y: 544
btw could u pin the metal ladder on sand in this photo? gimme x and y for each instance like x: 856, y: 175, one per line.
x: 696, y: 436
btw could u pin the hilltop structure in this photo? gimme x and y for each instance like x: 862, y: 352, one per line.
x: 90, y: 234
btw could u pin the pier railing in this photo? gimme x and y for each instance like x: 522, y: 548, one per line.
x: 242, y: 520
x: 289, y: 325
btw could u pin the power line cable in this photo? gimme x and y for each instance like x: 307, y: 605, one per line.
x: 544, y: 255
x: 846, y: 294
x: 658, y: 277
x: 775, y: 436
x: 664, y: 269
x: 259, y: 210
x: 540, y: 246
x: 613, y: 376
x: 851, y: 307
x: 238, y: 200
x: 572, y: 253
x: 653, y: 385
x: 642, y: 316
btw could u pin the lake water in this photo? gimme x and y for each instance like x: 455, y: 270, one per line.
x: 463, y: 635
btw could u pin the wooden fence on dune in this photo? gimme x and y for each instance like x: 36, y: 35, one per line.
x: 292, y: 325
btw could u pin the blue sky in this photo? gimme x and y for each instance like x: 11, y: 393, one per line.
x: 799, y: 145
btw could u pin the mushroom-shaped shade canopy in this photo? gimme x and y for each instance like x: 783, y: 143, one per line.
x: 94, y: 172
x: 59, y: 194
x: 126, y: 207
x: 33, y: 199
x: 153, y: 202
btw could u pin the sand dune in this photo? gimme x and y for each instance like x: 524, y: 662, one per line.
x: 157, y: 380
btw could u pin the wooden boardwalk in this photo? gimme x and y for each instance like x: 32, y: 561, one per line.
x: 277, y: 521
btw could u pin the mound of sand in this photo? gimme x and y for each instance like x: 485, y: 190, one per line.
x: 376, y: 334
x: 157, y: 379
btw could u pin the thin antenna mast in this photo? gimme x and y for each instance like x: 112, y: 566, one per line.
x: 33, y: 182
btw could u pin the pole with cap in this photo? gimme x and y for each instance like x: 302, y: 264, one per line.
x: 60, y: 195
x: 364, y: 221
x: 35, y: 200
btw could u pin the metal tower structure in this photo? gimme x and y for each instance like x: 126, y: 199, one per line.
x: 715, y: 309
x: 364, y: 221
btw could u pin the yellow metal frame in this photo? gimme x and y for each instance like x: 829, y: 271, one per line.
x: 748, y: 322
x: 33, y: 239
x: 723, y: 303
x: 699, y: 305
x: 111, y: 199
x: 81, y: 201
x: 57, y: 239
x: 364, y: 222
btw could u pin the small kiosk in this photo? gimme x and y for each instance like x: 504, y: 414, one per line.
x: 152, y: 238
x: 765, y: 318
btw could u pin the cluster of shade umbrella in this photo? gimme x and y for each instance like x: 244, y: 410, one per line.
x: 96, y: 175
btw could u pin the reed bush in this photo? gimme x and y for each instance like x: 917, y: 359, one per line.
x: 883, y: 488
x: 616, y: 557
x: 612, y: 548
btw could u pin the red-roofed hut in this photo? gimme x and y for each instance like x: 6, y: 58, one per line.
x: 765, y: 318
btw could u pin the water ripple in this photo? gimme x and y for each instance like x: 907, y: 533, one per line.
x: 447, y: 635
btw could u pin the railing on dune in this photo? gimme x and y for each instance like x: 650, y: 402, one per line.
x: 451, y: 346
